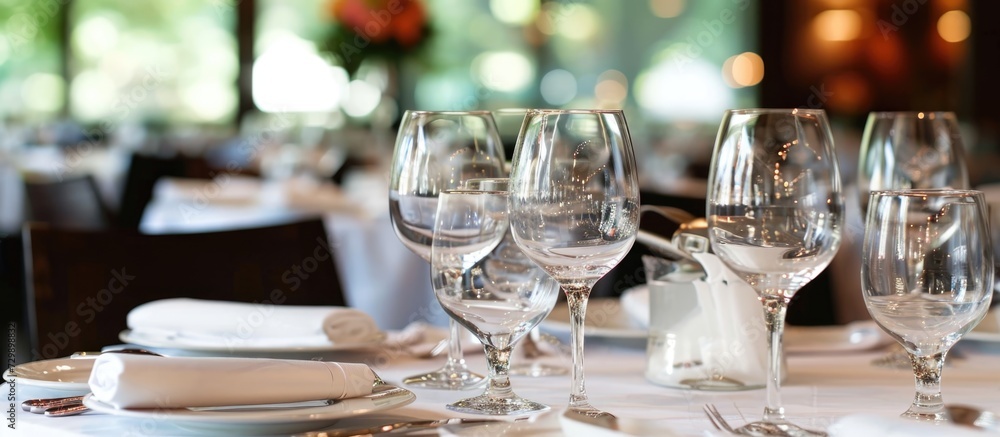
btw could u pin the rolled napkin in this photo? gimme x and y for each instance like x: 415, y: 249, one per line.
x: 140, y: 381
x: 197, y: 322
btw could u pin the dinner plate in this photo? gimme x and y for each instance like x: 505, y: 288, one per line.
x: 852, y: 337
x: 988, y: 330
x: 606, y: 318
x: 171, y: 342
x: 66, y: 374
x: 265, y: 419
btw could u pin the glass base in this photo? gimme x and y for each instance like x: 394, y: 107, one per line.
x: 537, y: 370
x: 926, y: 415
x: 446, y: 378
x: 485, y: 404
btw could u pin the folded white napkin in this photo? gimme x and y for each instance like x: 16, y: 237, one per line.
x: 867, y: 425
x: 139, y: 381
x: 237, y: 324
x: 716, y: 327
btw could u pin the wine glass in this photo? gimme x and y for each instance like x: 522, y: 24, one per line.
x: 574, y: 208
x: 774, y: 213
x: 911, y: 150
x: 927, y: 275
x: 485, y: 283
x: 528, y: 363
x: 436, y: 151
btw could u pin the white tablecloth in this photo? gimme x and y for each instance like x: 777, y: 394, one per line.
x: 819, y: 390
x: 379, y: 275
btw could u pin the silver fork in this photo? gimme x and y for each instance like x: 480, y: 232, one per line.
x: 765, y: 429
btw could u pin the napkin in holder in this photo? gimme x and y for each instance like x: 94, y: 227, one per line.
x: 706, y: 329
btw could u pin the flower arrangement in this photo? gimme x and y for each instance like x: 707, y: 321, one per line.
x: 390, y: 29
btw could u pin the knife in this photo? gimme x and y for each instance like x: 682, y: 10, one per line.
x: 409, y: 426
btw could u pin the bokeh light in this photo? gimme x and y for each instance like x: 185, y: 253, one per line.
x: 743, y: 70
x: 837, y: 25
x: 517, y: 12
x: 666, y: 8
x: 291, y: 77
x: 558, y: 87
x: 503, y: 71
x: 43, y: 92
x: 954, y: 26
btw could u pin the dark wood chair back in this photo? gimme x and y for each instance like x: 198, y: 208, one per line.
x: 68, y: 203
x: 81, y: 285
x: 143, y: 172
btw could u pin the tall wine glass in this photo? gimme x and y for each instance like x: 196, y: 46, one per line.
x: 911, y: 150
x: 485, y: 282
x: 927, y: 276
x: 528, y: 362
x: 775, y: 214
x: 436, y: 151
x: 574, y: 205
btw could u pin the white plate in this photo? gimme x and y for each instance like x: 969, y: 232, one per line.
x: 67, y: 374
x: 853, y: 337
x: 265, y: 419
x: 169, y: 342
x: 605, y: 318
x: 988, y: 330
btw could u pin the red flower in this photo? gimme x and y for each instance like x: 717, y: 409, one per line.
x: 382, y: 21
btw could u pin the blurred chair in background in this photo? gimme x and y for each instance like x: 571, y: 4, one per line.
x: 82, y: 284
x: 143, y: 172
x: 72, y: 203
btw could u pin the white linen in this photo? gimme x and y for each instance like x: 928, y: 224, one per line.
x: 231, y: 324
x: 820, y: 390
x: 868, y: 425
x: 140, y: 381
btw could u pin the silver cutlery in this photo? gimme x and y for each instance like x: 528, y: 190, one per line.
x: 758, y: 428
x: 971, y: 416
x: 405, y: 427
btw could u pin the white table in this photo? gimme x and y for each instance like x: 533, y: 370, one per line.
x: 819, y: 390
x: 379, y: 275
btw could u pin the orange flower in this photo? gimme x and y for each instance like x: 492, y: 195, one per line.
x: 382, y: 20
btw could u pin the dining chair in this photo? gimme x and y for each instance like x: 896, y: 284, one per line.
x: 72, y: 202
x: 82, y: 284
x: 143, y: 172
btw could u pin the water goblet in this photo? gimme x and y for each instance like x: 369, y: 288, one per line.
x: 902, y: 150
x: 485, y: 283
x: 574, y: 209
x: 436, y: 151
x: 927, y: 275
x: 774, y: 212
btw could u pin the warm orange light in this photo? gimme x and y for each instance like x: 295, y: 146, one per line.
x: 837, y: 25
x: 954, y: 26
x: 744, y: 69
x: 666, y: 8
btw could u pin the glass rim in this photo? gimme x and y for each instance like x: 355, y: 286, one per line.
x: 575, y: 111
x: 928, y: 192
x: 789, y: 111
x: 891, y: 114
x: 413, y: 112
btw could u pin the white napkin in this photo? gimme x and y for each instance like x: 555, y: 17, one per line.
x: 866, y: 425
x: 139, y: 381
x: 230, y: 324
x: 715, y: 323
x: 735, y: 317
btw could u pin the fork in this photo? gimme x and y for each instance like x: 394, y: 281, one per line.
x: 765, y: 429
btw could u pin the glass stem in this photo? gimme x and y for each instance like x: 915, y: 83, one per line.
x: 499, y: 364
x: 576, y: 297
x: 774, y: 321
x: 455, y: 358
x: 927, y: 403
